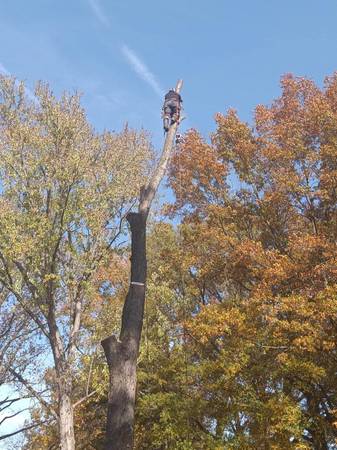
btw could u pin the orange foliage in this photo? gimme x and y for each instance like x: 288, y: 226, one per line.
x: 265, y: 253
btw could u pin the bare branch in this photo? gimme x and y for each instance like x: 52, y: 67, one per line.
x: 9, y: 326
x: 8, y: 402
x: 26, y: 308
x: 122, y: 354
x: 21, y: 430
x: 28, y: 282
x: 84, y: 399
x: 89, y: 375
x: 34, y: 393
x: 12, y: 415
x: 149, y: 192
x: 86, y: 276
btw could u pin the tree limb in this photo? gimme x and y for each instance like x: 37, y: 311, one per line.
x: 149, y: 192
x: 122, y: 354
x: 26, y: 308
x: 21, y: 430
x: 83, y: 399
x: 12, y: 415
x: 34, y: 393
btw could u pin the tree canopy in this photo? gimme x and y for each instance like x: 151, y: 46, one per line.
x: 239, y: 349
x: 65, y: 191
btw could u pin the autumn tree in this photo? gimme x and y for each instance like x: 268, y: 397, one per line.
x: 262, y: 254
x: 92, y: 376
x: 166, y: 413
x: 66, y: 190
x: 239, y: 347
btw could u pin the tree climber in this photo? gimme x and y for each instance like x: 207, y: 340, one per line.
x: 179, y: 139
x: 171, y: 109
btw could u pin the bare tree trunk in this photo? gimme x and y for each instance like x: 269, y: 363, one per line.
x: 122, y: 354
x: 63, y: 382
x: 66, y: 422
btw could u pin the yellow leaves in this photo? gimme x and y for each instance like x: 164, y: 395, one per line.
x: 51, y: 277
x: 236, y: 143
x: 284, y: 417
x: 304, y: 370
x: 58, y: 174
x: 215, y: 322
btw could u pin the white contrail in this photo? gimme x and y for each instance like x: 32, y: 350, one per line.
x: 99, y: 13
x: 141, y: 69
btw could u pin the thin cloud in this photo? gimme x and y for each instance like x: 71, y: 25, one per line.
x: 99, y: 13
x: 28, y: 92
x: 3, y: 70
x: 142, y: 70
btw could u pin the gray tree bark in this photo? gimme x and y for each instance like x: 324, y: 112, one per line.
x: 64, y: 380
x: 66, y: 422
x: 122, y: 353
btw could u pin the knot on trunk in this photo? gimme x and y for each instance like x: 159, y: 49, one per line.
x: 111, y: 347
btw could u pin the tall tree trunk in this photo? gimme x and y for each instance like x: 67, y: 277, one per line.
x: 63, y: 381
x: 66, y: 422
x: 122, y: 353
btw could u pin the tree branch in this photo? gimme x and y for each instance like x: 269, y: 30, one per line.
x: 34, y: 393
x: 149, y: 192
x: 21, y: 430
x: 122, y: 354
x: 86, y: 276
x: 12, y: 415
x: 83, y: 399
x: 26, y: 308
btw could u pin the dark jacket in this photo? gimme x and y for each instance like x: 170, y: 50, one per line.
x: 173, y: 95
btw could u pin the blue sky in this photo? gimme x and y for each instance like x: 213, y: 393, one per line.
x: 122, y: 53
